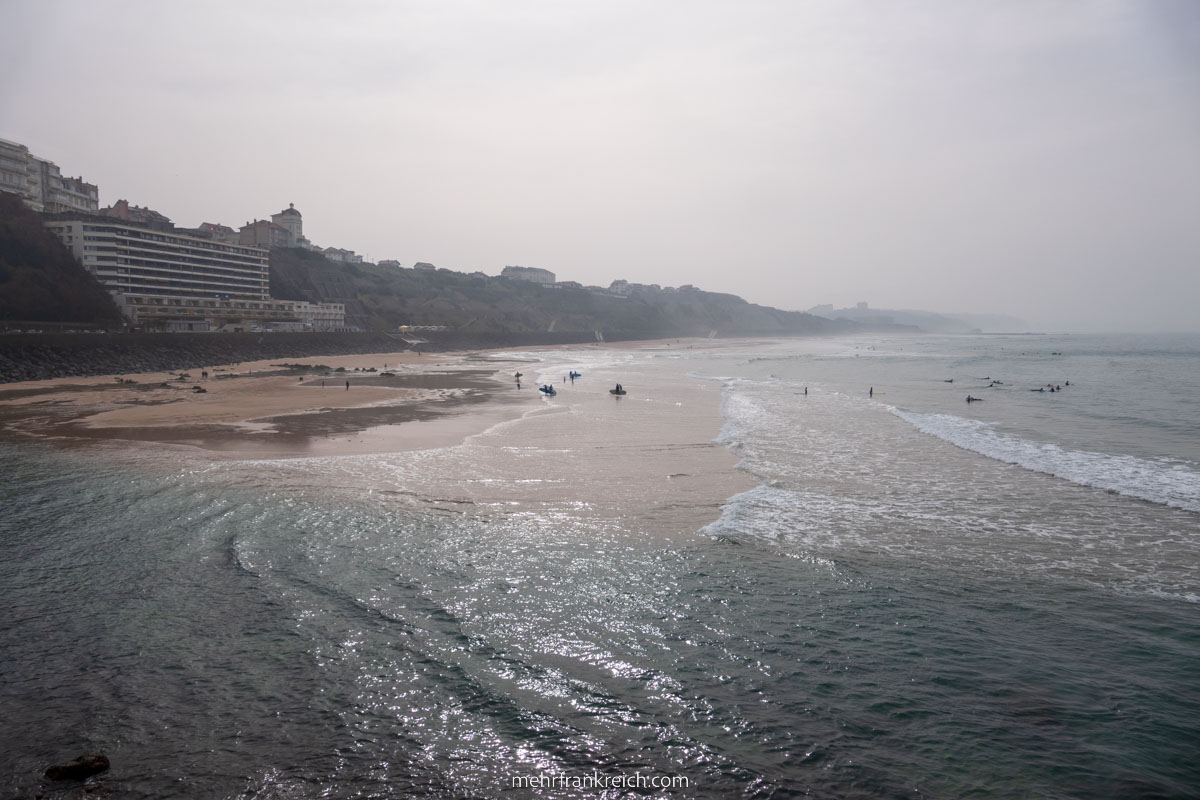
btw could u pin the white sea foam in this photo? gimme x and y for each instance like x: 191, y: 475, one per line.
x: 1170, y: 483
x: 846, y: 479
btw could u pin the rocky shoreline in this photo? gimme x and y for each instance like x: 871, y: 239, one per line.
x: 31, y: 357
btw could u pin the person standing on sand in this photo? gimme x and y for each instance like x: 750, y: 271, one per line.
x: 347, y: 386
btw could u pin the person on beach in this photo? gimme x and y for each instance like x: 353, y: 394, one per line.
x: 347, y: 386
x: 871, y: 392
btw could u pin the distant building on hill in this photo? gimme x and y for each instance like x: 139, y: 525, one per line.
x: 285, y: 229
x: 137, y: 215
x: 531, y: 274
x: 391, y: 262
x: 341, y: 255
x: 623, y: 288
x: 290, y: 220
x: 264, y: 233
x: 15, y: 173
x: 219, y: 233
x: 60, y: 193
x: 424, y: 266
x: 40, y: 183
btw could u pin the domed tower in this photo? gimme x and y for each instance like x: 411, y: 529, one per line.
x: 290, y: 220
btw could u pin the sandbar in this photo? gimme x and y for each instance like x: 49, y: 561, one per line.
x: 277, y: 408
x: 394, y: 401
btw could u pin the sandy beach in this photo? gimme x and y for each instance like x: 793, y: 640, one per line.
x: 315, y: 406
x: 279, y: 408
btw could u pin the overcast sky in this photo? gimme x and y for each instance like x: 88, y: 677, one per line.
x: 1038, y: 158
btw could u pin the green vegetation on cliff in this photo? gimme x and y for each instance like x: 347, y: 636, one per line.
x: 40, y: 281
x: 382, y: 298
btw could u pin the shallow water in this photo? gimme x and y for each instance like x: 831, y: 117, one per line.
x: 892, y: 596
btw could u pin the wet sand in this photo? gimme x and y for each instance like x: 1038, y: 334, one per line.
x: 395, y: 401
x: 279, y: 408
x: 449, y: 432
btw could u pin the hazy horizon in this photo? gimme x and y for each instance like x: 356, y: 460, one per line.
x: 1034, y: 159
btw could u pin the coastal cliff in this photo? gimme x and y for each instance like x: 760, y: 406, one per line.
x: 382, y: 297
x: 40, y: 281
x: 45, y: 292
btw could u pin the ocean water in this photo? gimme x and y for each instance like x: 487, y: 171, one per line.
x: 799, y: 568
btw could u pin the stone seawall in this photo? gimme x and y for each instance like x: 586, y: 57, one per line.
x: 28, y: 357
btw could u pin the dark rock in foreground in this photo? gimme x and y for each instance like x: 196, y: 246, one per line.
x: 80, y: 768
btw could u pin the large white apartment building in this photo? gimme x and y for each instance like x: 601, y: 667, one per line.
x: 133, y: 259
x: 176, y: 281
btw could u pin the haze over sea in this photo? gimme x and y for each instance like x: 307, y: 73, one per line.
x: 895, y: 594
